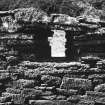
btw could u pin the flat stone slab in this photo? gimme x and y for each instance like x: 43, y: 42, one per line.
x: 95, y: 96
x: 71, y: 83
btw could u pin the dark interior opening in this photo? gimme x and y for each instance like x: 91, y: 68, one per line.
x: 71, y: 52
x: 42, y: 49
x: 95, y: 50
x: 38, y: 47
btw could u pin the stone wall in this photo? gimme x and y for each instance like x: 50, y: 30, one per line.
x: 49, y: 83
x: 83, y: 35
x: 23, y: 34
x: 36, y: 83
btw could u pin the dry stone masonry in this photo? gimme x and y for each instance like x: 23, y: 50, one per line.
x: 50, y: 83
x: 26, y: 39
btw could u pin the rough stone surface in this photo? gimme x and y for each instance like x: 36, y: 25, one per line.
x: 70, y: 83
x: 29, y: 82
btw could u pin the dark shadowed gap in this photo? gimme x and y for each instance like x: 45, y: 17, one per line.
x: 71, y: 51
x: 42, y: 49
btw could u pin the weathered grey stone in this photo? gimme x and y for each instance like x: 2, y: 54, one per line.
x: 64, y: 102
x: 85, y: 102
x: 51, y: 80
x: 74, y: 99
x: 2, y: 103
x: 32, y: 73
x: 100, y: 64
x: 71, y: 83
x: 30, y: 92
x: 94, y: 70
x: 67, y: 65
x: 54, y: 72
x: 51, y: 97
x: 100, y: 88
x: 13, y: 91
x: 100, y: 76
x: 18, y: 99
x: 66, y: 92
x: 23, y: 83
x: 4, y: 76
x: 92, y: 95
x: 6, y: 103
x: 100, y: 100
x: 12, y: 60
x: 41, y: 102
x: 90, y: 58
x: 5, y: 99
x: 61, y: 97
x: 47, y: 93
